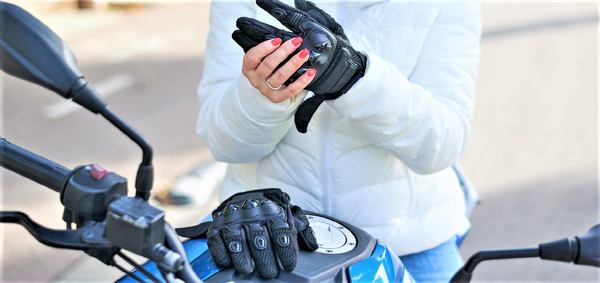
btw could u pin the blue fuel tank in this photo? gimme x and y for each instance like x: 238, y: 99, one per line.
x: 346, y: 254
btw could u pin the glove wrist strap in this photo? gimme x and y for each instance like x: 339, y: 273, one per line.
x: 194, y: 232
x: 305, y: 112
x: 308, y: 108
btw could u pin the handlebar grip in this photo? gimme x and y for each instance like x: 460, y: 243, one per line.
x: 33, y: 166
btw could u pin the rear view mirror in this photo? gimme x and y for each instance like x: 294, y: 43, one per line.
x: 589, y: 247
x: 31, y: 51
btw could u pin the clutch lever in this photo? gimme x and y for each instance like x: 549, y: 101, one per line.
x: 89, y: 236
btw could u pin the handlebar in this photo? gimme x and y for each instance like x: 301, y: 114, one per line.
x: 32, y: 166
x: 107, y: 220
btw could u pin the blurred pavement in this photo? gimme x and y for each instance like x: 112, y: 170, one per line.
x: 533, y: 155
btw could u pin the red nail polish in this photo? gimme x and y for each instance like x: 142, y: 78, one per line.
x: 311, y: 72
x: 296, y: 41
x: 303, y: 53
x: 276, y: 41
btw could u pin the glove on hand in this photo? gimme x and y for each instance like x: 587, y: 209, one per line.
x: 259, y: 226
x: 338, y: 65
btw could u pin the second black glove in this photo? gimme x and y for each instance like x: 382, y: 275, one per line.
x: 257, y: 229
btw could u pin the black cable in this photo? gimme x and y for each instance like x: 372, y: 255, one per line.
x: 129, y: 273
x: 138, y: 267
x: 186, y: 273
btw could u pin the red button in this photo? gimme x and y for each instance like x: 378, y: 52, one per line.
x: 98, y: 171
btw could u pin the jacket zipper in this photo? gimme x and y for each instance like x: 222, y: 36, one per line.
x: 325, y: 154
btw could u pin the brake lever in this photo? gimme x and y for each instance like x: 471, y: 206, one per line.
x: 90, y: 236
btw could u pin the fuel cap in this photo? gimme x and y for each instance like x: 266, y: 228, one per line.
x: 332, y: 237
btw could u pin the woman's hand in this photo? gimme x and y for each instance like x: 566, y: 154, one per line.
x: 259, y: 68
x: 338, y: 66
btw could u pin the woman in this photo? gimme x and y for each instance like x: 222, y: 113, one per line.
x: 379, y: 156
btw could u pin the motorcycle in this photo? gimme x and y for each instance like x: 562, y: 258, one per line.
x: 107, y: 221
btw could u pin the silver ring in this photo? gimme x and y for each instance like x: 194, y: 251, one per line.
x: 271, y: 87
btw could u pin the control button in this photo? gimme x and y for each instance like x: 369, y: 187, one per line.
x: 98, y: 172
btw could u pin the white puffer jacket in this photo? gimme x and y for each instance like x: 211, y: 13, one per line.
x: 378, y: 157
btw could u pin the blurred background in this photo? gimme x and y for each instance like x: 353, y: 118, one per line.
x: 533, y: 155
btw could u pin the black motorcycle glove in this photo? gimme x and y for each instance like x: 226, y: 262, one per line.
x: 258, y: 229
x: 338, y: 65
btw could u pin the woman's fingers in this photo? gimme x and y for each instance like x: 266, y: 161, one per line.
x: 255, y: 55
x: 289, y: 68
x: 261, y: 60
x: 269, y: 63
x: 296, y: 87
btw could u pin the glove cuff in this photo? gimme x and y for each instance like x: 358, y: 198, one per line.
x: 360, y: 72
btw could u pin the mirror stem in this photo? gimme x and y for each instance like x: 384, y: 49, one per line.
x: 145, y: 173
x: 466, y: 272
x: 84, y: 94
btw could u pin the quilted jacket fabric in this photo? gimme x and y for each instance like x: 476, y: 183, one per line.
x: 378, y: 157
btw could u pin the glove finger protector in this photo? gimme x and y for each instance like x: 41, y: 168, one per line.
x: 286, y: 247
x: 294, y: 19
x: 260, y: 31
x: 243, y: 40
x: 237, y: 245
x: 261, y: 249
x: 217, y: 249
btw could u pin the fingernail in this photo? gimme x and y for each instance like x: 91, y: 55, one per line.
x: 303, y: 53
x: 276, y: 41
x: 296, y: 41
x: 311, y: 72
